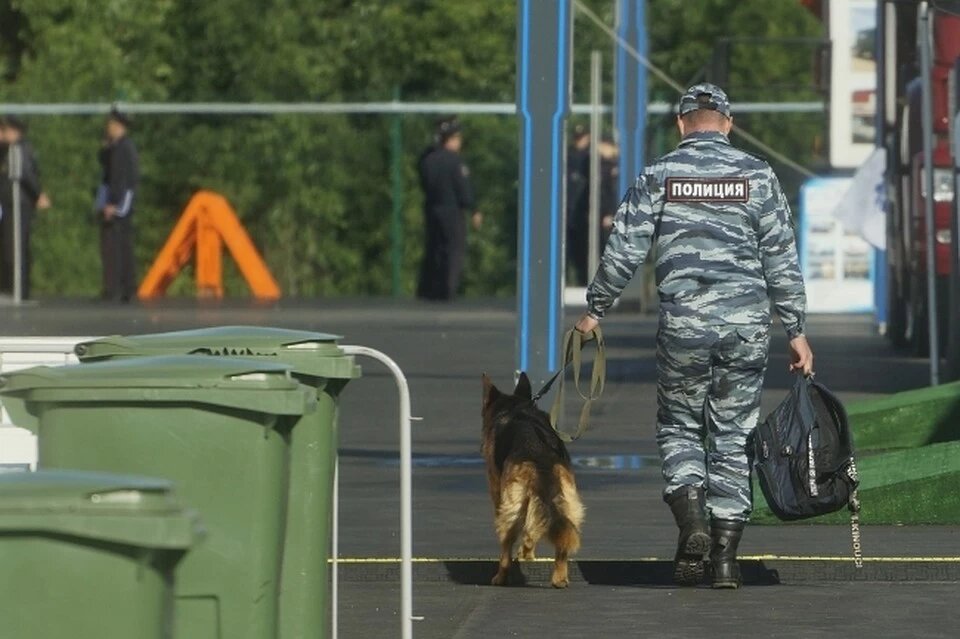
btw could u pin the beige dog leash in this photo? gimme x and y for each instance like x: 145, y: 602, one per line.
x: 573, y: 343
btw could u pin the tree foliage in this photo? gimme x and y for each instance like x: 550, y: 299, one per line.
x: 315, y: 191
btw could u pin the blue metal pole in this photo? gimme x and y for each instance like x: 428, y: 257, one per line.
x: 544, y: 32
x: 880, y: 271
x: 880, y: 287
x: 631, y: 90
x: 640, y: 71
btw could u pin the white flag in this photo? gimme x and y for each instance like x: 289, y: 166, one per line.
x: 862, y: 209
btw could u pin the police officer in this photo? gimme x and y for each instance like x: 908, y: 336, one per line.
x: 578, y: 197
x: 448, y: 195
x: 609, y: 184
x: 116, y: 200
x: 13, y: 134
x: 578, y: 203
x: 725, y: 250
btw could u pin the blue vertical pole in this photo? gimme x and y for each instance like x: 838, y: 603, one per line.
x: 880, y: 256
x: 880, y: 287
x: 631, y: 90
x: 544, y: 32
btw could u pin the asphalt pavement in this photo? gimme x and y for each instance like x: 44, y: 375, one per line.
x: 443, y: 350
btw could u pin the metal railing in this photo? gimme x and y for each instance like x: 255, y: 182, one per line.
x: 406, y: 496
x: 394, y: 107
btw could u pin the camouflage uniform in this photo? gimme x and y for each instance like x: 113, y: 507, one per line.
x: 725, y: 249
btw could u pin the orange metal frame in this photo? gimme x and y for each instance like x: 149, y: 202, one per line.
x: 207, y: 224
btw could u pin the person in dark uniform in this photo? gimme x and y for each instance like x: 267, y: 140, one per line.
x: 578, y: 203
x: 115, y: 205
x: 448, y: 196
x: 609, y: 186
x: 13, y: 134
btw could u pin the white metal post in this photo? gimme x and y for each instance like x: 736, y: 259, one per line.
x: 406, y: 487
x: 15, y: 173
x: 924, y: 37
x: 335, y: 551
x: 593, y: 234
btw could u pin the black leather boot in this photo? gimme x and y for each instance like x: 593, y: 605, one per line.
x: 689, y: 511
x: 726, y: 534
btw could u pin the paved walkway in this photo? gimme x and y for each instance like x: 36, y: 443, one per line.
x: 443, y: 350
x: 807, y: 611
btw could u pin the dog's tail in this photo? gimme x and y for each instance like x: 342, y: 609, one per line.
x: 565, y: 525
x: 514, y: 503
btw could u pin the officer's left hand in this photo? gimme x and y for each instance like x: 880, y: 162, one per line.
x: 801, y: 355
x: 477, y: 220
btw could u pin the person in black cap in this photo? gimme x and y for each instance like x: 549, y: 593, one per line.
x: 115, y: 206
x: 725, y: 254
x: 13, y: 134
x: 448, y: 195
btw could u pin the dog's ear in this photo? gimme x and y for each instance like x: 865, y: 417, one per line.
x: 523, y: 387
x: 490, y: 392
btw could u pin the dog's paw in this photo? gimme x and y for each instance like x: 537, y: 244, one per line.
x: 560, y: 577
x: 527, y: 554
x: 499, y: 579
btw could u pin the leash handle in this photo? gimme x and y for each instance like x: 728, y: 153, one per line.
x: 573, y: 342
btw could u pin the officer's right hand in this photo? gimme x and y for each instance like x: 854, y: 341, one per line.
x: 477, y: 219
x: 801, y: 355
x: 587, y: 323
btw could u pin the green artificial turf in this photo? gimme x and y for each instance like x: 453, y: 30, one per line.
x: 907, y: 420
x: 915, y: 486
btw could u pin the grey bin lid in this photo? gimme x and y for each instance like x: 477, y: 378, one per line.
x: 314, y: 354
x: 135, y: 511
x: 247, y: 384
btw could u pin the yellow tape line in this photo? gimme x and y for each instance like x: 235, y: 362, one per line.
x: 840, y: 559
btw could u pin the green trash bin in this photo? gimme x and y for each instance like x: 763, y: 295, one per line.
x: 318, y: 362
x: 219, y: 428
x: 89, y: 555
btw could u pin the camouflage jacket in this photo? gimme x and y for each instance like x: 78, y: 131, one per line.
x: 725, y: 245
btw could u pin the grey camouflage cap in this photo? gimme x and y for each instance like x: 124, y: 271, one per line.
x: 705, y: 96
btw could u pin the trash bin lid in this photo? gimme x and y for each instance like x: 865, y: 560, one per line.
x: 310, y: 353
x: 138, y: 511
x: 165, y: 371
x: 247, y: 384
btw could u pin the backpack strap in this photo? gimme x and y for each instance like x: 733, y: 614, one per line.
x: 851, y: 469
x: 854, y: 506
x: 836, y: 406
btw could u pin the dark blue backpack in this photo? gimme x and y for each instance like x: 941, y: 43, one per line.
x: 804, y: 457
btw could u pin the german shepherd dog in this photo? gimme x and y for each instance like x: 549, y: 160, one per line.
x: 531, y: 480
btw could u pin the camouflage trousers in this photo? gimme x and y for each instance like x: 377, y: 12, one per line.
x: 708, y: 397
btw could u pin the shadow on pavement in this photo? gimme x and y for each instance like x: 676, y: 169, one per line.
x: 600, y: 573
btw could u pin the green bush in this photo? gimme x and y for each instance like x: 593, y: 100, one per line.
x: 314, y: 190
